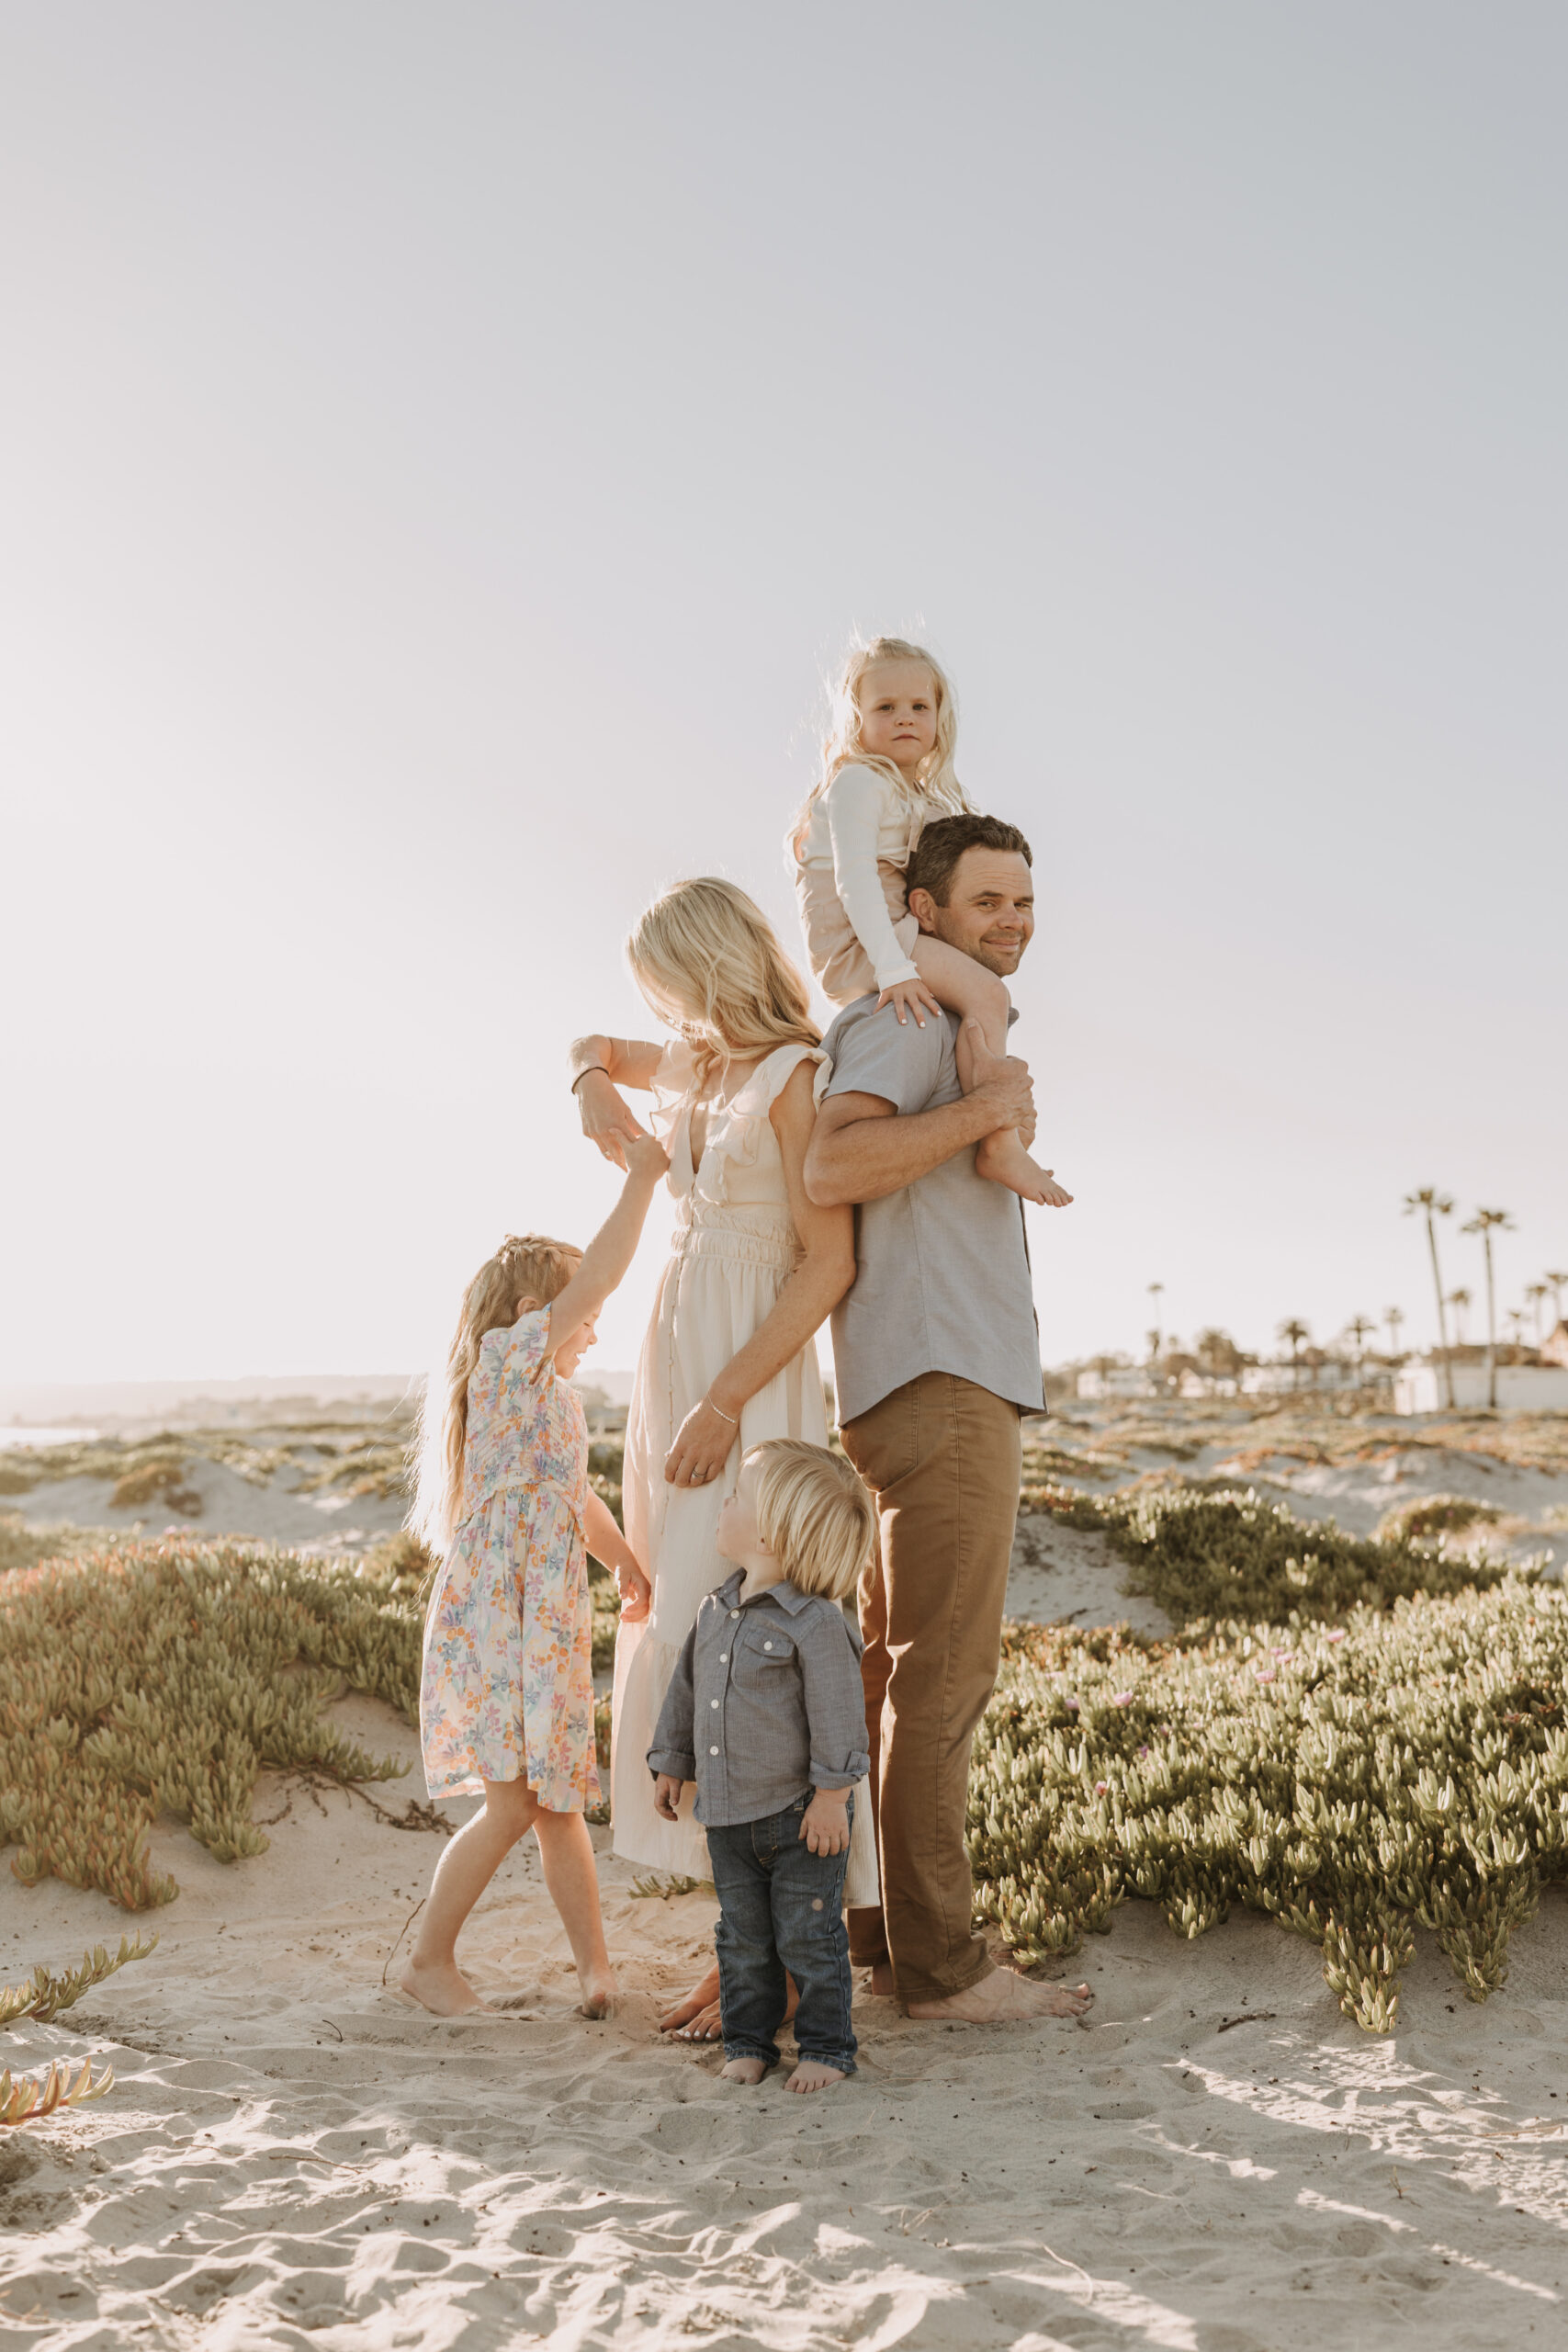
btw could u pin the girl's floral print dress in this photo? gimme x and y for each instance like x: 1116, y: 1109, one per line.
x: 507, y: 1688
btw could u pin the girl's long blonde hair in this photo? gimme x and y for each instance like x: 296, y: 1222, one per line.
x: 708, y: 961
x: 841, y: 748
x: 527, y: 1266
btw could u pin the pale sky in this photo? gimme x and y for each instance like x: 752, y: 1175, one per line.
x: 444, y: 447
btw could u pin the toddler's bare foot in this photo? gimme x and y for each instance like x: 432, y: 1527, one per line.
x: 694, y: 2018
x: 443, y: 1990
x: 1005, y: 1999
x: 742, y: 2070
x: 600, y: 1993
x: 1002, y: 1159
x: 811, y: 2074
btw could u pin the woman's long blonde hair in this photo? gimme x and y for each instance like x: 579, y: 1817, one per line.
x: 841, y: 748
x: 709, y: 963
x: 527, y: 1266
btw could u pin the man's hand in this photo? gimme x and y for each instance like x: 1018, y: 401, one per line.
x: 826, y: 1828
x: 1001, y: 1079
x: 608, y: 1119
x: 666, y: 1795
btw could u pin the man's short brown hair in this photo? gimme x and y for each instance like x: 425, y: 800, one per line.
x: 939, y: 847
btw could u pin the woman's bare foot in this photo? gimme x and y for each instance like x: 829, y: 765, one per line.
x: 443, y: 1990
x: 694, y: 2018
x: 1004, y: 1998
x: 811, y: 2074
x: 742, y: 2070
x: 1002, y: 1159
x: 600, y: 1993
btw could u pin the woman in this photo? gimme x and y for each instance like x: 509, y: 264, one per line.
x: 728, y: 1359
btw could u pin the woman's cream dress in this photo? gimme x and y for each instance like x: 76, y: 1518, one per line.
x: 734, y: 1247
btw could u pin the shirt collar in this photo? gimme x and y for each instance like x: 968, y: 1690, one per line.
x: 784, y: 1594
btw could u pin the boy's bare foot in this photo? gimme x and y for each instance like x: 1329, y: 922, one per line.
x: 811, y: 2074
x: 600, y: 1994
x: 1004, y: 1998
x: 1002, y: 1159
x: 444, y: 1991
x: 742, y: 2070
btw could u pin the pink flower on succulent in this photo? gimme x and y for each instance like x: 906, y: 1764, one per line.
x: 1100, y: 1787
x: 1074, y: 1703
x: 1142, y: 1751
x: 1122, y: 1698
x: 1284, y: 1652
x: 1266, y: 1674
x: 1337, y: 1634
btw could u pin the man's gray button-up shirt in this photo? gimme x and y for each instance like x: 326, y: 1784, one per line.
x: 782, y: 1672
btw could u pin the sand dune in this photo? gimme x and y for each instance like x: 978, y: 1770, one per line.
x: 1218, y: 2163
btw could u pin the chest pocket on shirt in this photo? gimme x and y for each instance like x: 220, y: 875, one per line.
x: 762, y: 1647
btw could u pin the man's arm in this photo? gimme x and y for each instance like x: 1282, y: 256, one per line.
x: 860, y: 1150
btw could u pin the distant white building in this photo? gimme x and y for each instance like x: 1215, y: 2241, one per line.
x: 1521, y: 1388
x: 1124, y: 1380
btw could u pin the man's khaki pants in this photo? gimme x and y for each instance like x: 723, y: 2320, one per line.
x: 944, y: 1457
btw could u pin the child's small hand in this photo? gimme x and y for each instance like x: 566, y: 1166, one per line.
x: 636, y: 1593
x: 910, y: 995
x: 646, y: 1158
x: 826, y: 1828
x: 666, y: 1795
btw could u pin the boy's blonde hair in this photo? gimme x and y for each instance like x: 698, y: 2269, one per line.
x: 841, y: 745
x: 705, y: 943
x: 527, y: 1267
x: 813, y: 1515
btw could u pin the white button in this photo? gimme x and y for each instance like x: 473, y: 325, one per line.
x: 713, y: 1702
x: 713, y: 1751
x: 724, y: 1657
x: 735, y: 1612
x: 767, y: 1645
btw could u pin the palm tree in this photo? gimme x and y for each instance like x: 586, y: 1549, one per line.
x: 1554, y: 1284
x: 1518, y: 1319
x: 1360, y: 1331
x: 1155, y: 1290
x: 1535, y: 1293
x: 1433, y: 1204
x: 1486, y: 1222
x: 1293, y: 1333
x: 1393, y: 1316
x: 1460, y: 1301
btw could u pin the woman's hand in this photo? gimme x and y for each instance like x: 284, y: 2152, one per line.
x: 607, y: 1117
x: 636, y: 1593
x: 910, y: 995
x: 701, y: 1448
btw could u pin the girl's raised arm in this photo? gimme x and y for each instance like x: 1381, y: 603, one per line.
x: 613, y: 1247
x: 600, y: 1067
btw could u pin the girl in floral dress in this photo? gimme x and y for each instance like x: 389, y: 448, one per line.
x: 506, y: 1692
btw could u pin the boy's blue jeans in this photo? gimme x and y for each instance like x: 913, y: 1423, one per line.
x: 782, y: 1906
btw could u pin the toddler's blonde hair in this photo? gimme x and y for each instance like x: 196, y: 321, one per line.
x: 813, y: 1515
x: 527, y: 1266
x: 705, y: 943
x: 841, y: 746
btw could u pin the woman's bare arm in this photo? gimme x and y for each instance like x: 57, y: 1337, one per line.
x: 825, y: 1270
x: 600, y: 1067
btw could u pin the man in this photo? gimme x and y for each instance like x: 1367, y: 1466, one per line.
x: 937, y: 1354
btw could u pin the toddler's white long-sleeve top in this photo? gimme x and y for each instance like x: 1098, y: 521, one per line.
x: 861, y: 820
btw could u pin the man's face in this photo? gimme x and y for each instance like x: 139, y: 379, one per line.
x: 990, y: 909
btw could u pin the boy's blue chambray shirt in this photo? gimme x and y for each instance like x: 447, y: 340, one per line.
x: 765, y: 1701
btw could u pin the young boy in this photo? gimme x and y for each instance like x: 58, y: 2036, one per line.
x: 766, y: 1713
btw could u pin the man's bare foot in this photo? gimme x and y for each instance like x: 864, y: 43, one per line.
x: 811, y: 2074
x: 1005, y: 1999
x: 444, y: 1991
x: 742, y: 2070
x: 694, y: 2018
x: 882, y: 1984
x: 600, y: 1994
x: 1002, y: 1159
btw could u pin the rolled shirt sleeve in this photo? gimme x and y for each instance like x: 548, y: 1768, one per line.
x: 854, y: 803
x: 835, y: 1702
x: 672, y: 1750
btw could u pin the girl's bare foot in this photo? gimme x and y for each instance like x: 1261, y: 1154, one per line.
x: 811, y: 2074
x: 442, y: 1989
x: 1005, y: 1999
x: 600, y: 1993
x: 742, y: 2070
x: 1002, y: 1159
